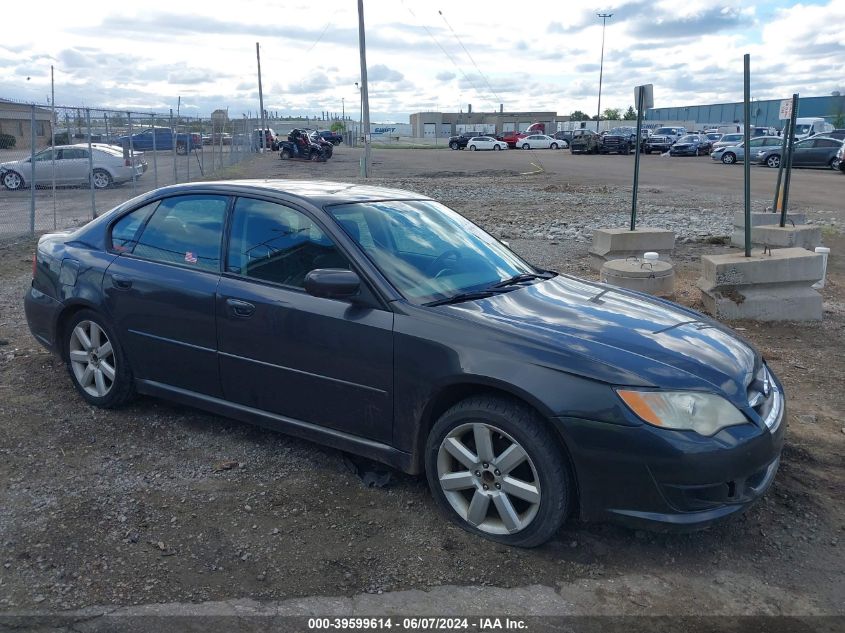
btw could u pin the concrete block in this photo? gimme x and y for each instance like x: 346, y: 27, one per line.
x: 763, y: 287
x: 759, y: 218
x: 784, y: 265
x: 801, y: 235
x: 610, y: 244
x: 655, y: 278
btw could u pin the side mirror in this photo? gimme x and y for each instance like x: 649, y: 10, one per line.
x: 332, y: 283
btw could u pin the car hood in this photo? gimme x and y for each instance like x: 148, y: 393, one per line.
x: 593, y: 327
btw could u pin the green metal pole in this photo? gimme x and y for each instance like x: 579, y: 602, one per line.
x: 637, y: 159
x: 787, y: 177
x: 746, y: 113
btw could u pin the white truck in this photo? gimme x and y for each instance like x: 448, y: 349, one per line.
x: 806, y: 127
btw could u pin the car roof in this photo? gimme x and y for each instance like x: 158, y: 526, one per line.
x: 316, y: 192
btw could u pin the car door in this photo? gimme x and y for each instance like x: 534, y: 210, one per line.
x: 322, y: 361
x: 74, y: 165
x: 160, y: 290
x: 826, y: 151
x: 804, y: 152
x: 42, y: 168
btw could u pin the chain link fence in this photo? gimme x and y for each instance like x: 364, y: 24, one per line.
x: 60, y: 167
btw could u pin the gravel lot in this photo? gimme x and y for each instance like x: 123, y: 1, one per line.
x: 157, y: 503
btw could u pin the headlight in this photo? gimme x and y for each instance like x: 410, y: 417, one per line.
x: 704, y: 413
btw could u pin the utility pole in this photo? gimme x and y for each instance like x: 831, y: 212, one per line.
x: 365, y: 98
x: 261, y: 100
x: 604, y: 17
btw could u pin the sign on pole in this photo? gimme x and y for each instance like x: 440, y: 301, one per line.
x: 785, y: 111
x: 648, y: 95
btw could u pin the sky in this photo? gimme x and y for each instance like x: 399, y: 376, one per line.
x: 422, y: 55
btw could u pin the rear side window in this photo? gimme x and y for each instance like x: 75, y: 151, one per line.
x: 185, y: 230
x: 125, y: 231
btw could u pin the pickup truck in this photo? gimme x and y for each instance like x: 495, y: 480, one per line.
x: 332, y: 137
x: 161, y: 138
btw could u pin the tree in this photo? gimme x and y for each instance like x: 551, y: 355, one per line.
x: 630, y: 114
x: 338, y: 126
x: 611, y: 114
x: 577, y: 115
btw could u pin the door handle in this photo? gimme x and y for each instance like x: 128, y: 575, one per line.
x: 120, y: 282
x: 239, y: 308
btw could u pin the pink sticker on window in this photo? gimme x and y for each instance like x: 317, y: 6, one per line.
x: 190, y: 258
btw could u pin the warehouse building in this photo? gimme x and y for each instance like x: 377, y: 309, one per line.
x: 445, y: 124
x: 763, y: 112
x: 16, y: 120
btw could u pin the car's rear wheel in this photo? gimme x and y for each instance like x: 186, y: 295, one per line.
x: 285, y: 154
x: 728, y: 158
x: 12, y: 180
x: 454, y: 145
x: 96, y: 362
x: 773, y: 161
x: 181, y: 148
x: 497, y: 471
x: 101, y: 179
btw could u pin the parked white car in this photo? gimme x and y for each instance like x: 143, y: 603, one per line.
x: 541, y: 141
x: 485, y: 142
x: 73, y: 167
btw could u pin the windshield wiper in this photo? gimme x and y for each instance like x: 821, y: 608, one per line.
x: 516, y: 279
x: 469, y: 296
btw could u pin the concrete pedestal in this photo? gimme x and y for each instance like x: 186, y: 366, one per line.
x: 759, y: 218
x: 655, y: 278
x: 611, y: 244
x: 801, y: 235
x: 774, y: 287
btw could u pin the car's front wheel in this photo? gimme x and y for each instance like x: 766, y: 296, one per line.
x: 834, y: 163
x: 96, y: 362
x: 496, y: 470
x: 12, y: 181
x: 472, y: 148
x: 497, y: 148
x: 181, y: 149
x: 526, y: 146
x: 773, y: 161
x: 728, y: 158
x: 553, y: 146
x: 454, y: 145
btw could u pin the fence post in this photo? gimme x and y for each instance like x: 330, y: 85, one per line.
x: 132, y: 155
x: 91, y: 164
x: 173, y: 144
x: 155, y: 153
x: 32, y: 169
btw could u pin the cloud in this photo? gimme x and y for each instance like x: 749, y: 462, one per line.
x: 187, y: 76
x: 696, y: 24
x: 445, y: 76
x: 381, y: 73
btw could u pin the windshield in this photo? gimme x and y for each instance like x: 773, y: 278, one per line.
x: 426, y: 250
x: 690, y: 138
x: 802, y: 128
x: 665, y: 130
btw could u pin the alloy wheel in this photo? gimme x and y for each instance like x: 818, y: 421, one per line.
x: 488, y: 478
x: 92, y: 359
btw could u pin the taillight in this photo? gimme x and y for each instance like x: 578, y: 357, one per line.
x: 34, y: 263
x: 127, y: 163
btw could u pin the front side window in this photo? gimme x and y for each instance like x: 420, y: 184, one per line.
x: 275, y: 243
x: 185, y: 230
x: 426, y: 250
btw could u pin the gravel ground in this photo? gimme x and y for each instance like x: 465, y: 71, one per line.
x: 157, y: 503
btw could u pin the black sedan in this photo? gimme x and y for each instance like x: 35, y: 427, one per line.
x: 691, y: 145
x: 380, y: 322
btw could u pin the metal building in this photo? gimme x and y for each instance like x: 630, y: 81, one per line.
x: 763, y: 112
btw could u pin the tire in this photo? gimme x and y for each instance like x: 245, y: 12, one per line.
x: 472, y: 148
x: 12, y: 181
x: 454, y: 145
x: 526, y: 146
x: 497, y: 148
x: 285, y: 154
x: 101, y: 179
x: 181, y: 149
x: 834, y: 164
x: 728, y: 158
x: 553, y: 146
x: 773, y: 161
x: 89, y: 365
x: 534, y: 508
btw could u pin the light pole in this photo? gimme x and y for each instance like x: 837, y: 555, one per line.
x: 361, y: 108
x: 603, y: 17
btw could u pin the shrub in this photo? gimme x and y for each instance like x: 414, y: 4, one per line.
x: 7, y: 141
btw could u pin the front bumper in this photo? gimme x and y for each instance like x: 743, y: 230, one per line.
x: 657, y: 478
x: 687, y: 151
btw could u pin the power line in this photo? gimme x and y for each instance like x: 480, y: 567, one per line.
x: 483, y: 76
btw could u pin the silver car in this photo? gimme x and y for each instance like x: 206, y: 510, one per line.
x: 106, y: 167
